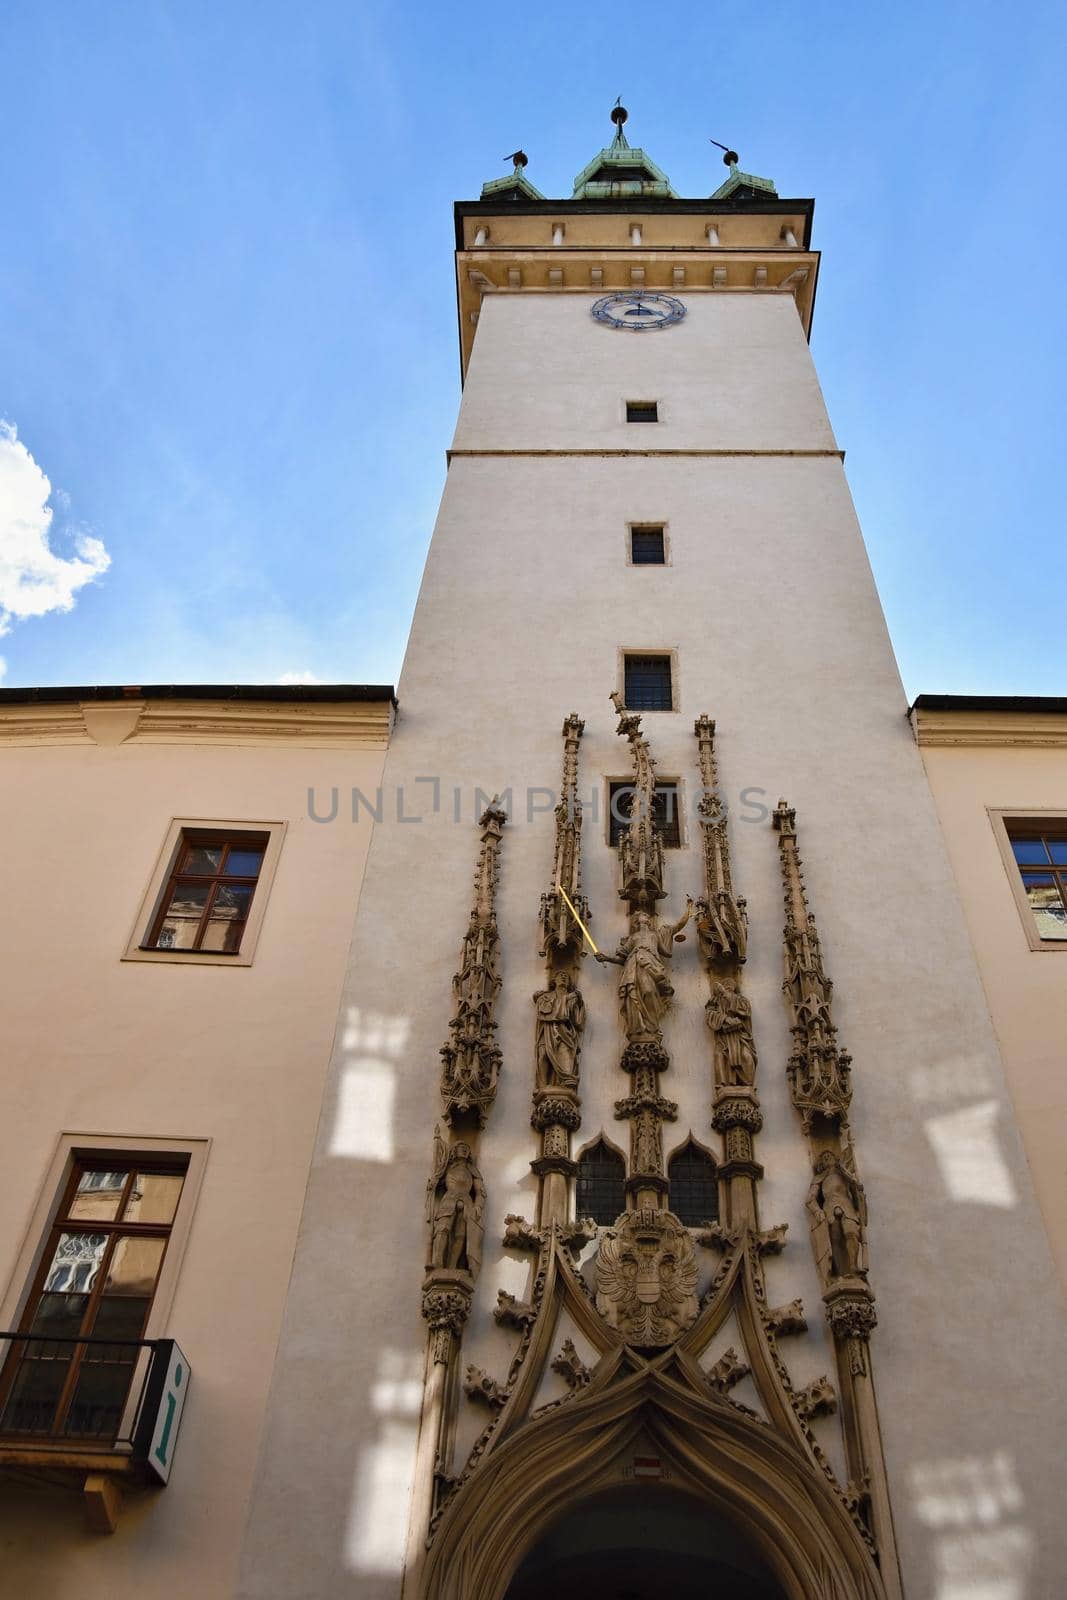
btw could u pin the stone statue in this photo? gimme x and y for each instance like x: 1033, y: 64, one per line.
x: 645, y: 990
x: 838, y: 1209
x: 729, y: 1017
x: 559, y: 1020
x: 722, y: 928
x: 455, y: 1201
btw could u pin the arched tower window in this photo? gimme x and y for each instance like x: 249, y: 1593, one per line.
x: 601, y: 1174
x: 694, y: 1186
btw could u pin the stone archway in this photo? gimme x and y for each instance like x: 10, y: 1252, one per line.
x: 639, y: 1542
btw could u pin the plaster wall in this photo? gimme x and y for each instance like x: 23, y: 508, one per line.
x: 769, y: 602
x: 236, y: 1055
x: 1026, y: 989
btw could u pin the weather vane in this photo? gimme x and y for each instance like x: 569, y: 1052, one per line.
x: 731, y: 157
x: 519, y: 157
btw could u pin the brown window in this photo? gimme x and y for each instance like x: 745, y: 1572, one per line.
x: 208, y: 895
x: 647, y: 684
x: 665, y: 812
x: 646, y: 547
x: 94, y: 1286
x: 694, y: 1187
x: 1040, y: 851
x: 642, y: 411
x: 601, y: 1175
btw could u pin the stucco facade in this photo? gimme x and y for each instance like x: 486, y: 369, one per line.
x: 770, y: 614
x: 224, y: 1061
x: 989, y: 761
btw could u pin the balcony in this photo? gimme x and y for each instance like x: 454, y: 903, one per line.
x: 106, y: 1411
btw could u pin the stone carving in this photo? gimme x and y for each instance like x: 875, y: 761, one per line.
x: 645, y: 989
x: 446, y: 1308
x: 551, y: 1110
x: 471, y: 1056
x: 721, y: 921
x: 838, y: 1210
x: 784, y: 1320
x: 521, y: 1235
x: 728, y: 1370
x: 560, y: 1018
x: 570, y: 1366
x: 646, y: 1277
x: 736, y: 1108
x: 455, y: 1202
x: 817, y: 1398
x: 851, y: 1315
x: 579, y: 1234
x: 818, y: 1071
x: 561, y: 938
x: 729, y: 1017
x: 512, y: 1313
x: 478, y: 1385
x: 640, y: 845
x: 772, y: 1241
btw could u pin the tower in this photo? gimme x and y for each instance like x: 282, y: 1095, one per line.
x: 647, y: 580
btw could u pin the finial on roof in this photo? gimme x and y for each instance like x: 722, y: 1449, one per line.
x: 519, y: 158
x: 619, y: 115
x: 740, y: 185
x: 516, y: 186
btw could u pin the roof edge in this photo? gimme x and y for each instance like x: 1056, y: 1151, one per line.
x: 1024, y: 704
x: 284, y: 693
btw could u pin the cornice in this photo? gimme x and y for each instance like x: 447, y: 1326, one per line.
x: 594, y: 270
x: 990, y: 729
x: 358, y: 724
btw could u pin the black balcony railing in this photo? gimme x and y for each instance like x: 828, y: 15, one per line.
x: 57, y: 1392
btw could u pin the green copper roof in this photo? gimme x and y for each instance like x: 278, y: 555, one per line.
x: 743, y: 184
x: 620, y: 170
x: 514, y: 186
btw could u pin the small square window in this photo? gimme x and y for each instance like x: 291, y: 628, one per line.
x: 642, y: 411
x: 1040, y: 852
x: 647, y: 683
x: 665, y: 811
x: 647, y: 547
x: 208, y: 893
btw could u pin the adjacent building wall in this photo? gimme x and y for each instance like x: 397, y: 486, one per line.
x: 979, y: 765
x: 95, y: 1045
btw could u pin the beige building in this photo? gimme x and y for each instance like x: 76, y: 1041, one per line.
x: 175, y: 931
x: 998, y: 770
x: 668, y: 1227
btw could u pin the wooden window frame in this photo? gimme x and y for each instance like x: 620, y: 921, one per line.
x: 116, y: 1229
x: 71, y: 1149
x: 154, y: 899
x: 1042, y: 820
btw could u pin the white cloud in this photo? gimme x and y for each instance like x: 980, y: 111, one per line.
x: 3, y: 668
x: 299, y: 677
x: 33, y: 579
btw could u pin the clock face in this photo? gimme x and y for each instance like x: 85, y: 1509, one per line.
x: 638, y: 312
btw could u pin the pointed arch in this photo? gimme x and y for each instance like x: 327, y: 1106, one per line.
x: 742, y: 1470
x: 600, y: 1190
x: 693, y: 1174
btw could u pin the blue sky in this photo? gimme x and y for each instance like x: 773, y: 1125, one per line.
x: 227, y: 325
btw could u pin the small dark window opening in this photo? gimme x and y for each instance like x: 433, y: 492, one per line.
x: 694, y: 1187
x: 646, y: 547
x: 642, y: 410
x: 647, y: 683
x: 601, y: 1174
x: 665, y: 812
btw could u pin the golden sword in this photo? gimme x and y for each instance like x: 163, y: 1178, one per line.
x: 588, y: 936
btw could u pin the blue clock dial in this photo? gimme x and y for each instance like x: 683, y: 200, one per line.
x: 638, y: 312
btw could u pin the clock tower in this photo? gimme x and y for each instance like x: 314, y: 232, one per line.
x: 625, y: 1265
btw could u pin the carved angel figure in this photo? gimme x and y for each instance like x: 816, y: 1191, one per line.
x: 645, y: 990
x: 837, y: 1207
x: 729, y: 1017
x: 646, y: 1278
x: 560, y: 1018
x: 455, y: 1201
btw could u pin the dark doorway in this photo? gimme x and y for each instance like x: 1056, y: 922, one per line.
x: 644, y: 1542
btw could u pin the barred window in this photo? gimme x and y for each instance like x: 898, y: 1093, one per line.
x: 694, y: 1186
x: 642, y: 411
x: 666, y: 803
x: 647, y: 547
x: 601, y: 1175
x: 647, y: 685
